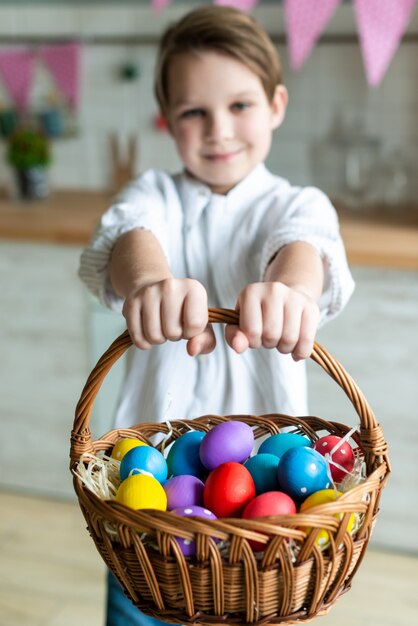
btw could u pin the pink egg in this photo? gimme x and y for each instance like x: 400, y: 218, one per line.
x: 189, y: 547
x: 268, y: 503
x: 226, y: 442
x: 183, y: 491
x: 338, y: 453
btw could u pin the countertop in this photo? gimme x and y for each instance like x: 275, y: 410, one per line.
x: 372, y: 238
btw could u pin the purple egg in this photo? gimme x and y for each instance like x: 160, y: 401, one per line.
x: 229, y: 441
x: 189, y: 547
x: 183, y: 491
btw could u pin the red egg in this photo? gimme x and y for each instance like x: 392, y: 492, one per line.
x: 338, y: 453
x: 268, y: 503
x: 228, y: 488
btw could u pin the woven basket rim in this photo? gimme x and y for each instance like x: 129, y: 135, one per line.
x: 321, y: 515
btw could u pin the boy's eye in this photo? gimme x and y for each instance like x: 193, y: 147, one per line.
x: 240, y: 106
x: 192, y: 113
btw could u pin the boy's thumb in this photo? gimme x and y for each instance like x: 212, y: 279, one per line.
x: 203, y: 343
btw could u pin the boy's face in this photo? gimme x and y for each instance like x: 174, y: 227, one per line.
x: 220, y: 117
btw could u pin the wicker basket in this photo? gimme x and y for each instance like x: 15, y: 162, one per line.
x: 226, y: 582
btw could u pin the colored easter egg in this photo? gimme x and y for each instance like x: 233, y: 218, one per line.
x: 141, y: 491
x: 144, y: 459
x: 123, y: 446
x: 339, y: 454
x: 302, y: 471
x: 183, y: 456
x: 268, y: 503
x: 183, y: 491
x: 280, y: 443
x: 323, y: 497
x: 187, y: 546
x: 263, y: 469
x: 228, y: 488
x: 226, y: 442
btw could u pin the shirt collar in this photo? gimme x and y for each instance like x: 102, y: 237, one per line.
x: 195, y: 195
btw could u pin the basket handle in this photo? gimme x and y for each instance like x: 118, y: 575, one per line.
x: 373, y: 442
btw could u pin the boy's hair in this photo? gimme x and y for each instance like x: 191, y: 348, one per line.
x: 224, y: 30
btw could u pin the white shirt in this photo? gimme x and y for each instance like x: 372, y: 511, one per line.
x: 225, y: 242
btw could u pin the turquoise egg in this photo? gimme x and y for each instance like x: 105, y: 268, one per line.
x: 263, y: 469
x: 183, y: 456
x: 280, y: 443
x: 146, y: 460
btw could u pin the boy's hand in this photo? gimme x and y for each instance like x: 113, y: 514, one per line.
x: 170, y: 309
x: 275, y: 316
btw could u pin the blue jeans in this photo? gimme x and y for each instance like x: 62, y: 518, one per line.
x: 121, y: 611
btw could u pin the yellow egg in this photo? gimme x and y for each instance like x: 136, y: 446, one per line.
x: 123, y: 446
x: 141, y: 491
x: 322, y: 497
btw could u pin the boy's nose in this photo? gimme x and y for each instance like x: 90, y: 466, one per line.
x: 218, y: 126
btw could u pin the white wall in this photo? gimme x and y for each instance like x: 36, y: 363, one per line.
x: 332, y: 81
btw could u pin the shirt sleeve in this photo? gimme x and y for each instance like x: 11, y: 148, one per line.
x: 140, y: 205
x: 310, y: 217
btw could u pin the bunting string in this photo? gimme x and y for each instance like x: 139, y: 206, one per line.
x: 381, y: 25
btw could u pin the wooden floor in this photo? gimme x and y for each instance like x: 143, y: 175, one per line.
x: 51, y: 574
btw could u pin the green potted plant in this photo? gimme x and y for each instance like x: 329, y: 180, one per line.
x: 30, y: 155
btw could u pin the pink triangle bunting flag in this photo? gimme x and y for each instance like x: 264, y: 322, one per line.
x: 63, y: 61
x: 16, y: 70
x: 381, y: 25
x: 242, y: 5
x: 305, y: 22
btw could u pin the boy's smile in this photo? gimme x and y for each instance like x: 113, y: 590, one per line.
x: 220, y: 117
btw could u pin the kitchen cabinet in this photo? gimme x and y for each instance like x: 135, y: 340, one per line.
x: 51, y: 333
x: 376, y: 340
x: 43, y: 364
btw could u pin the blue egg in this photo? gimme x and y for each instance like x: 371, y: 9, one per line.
x: 302, y: 471
x: 280, y: 443
x: 183, y: 456
x: 144, y: 459
x: 263, y: 469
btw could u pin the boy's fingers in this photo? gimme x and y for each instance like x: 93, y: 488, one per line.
x: 151, y: 321
x: 272, y: 324
x: 236, y: 338
x: 250, y: 318
x: 171, y: 318
x: 309, y: 325
x: 203, y: 343
x: 132, y: 314
x: 195, y: 312
x: 292, y: 317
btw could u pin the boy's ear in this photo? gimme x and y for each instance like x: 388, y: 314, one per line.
x: 278, y: 106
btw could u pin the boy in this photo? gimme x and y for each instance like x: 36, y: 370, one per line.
x: 225, y: 232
